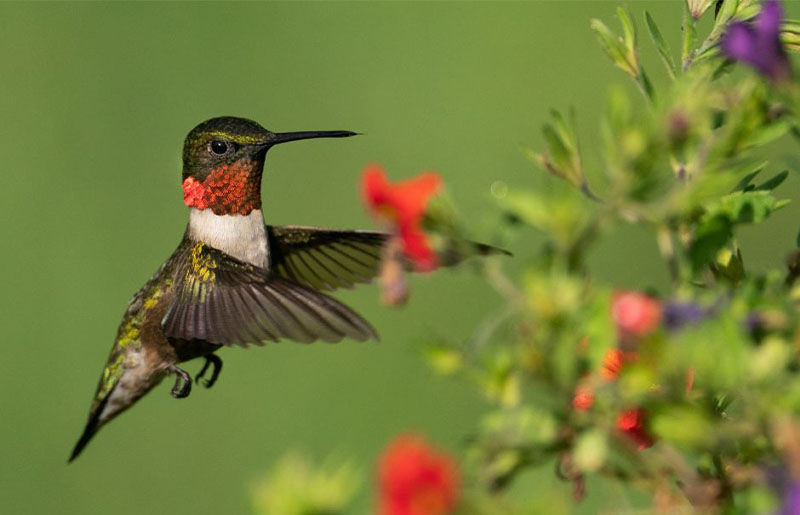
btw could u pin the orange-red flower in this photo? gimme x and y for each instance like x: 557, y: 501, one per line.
x: 583, y: 398
x: 632, y: 423
x: 415, y: 479
x: 613, y: 362
x: 403, y: 205
x: 635, y: 314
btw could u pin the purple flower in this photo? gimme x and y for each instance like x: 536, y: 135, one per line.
x: 758, y: 44
x: 679, y: 314
x: 791, y: 500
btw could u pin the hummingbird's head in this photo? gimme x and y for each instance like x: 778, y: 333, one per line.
x: 223, y: 159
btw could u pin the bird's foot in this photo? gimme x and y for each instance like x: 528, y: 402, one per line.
x: 183, y: 383
x: 211, y: 360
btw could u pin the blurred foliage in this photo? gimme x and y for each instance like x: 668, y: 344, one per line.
x: 295, y: 486
x: 690, y: 394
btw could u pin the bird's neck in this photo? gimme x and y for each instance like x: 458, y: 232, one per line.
x: 228, y: 189
x: 241, y: 236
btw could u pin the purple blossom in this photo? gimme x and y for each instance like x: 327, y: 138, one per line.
x: 759, y: 44
x: 791, y: 500
x: 679, y: 314
x: 753, y: 322
x: 786, y: 488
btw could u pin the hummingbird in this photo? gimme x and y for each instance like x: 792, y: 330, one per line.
x: 233, y: 279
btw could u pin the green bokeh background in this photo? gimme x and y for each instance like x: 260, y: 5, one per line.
x: 95, y: 100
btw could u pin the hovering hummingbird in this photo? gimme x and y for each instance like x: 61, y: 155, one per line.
x: 233, y: 280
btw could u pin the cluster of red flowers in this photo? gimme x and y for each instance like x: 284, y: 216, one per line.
x: 636, y: 316
x: 416, y: 479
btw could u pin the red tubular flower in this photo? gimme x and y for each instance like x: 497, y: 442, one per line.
x: 403, y: 205
x: 583, y: 399
x: 632, y: 423
x: 635, y: 314
x: 613, y: 362
x: 415, y: 479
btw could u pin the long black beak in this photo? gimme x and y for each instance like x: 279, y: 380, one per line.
x: 284, y: 137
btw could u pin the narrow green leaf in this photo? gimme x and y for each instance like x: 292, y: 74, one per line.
x: 628, y: 30
x: 647, y: 86
x: 555, y: 144
x: 726, y: 12
x: 661, y: 44
x: 564, y: 131
x: 747, y: 179
x: 774, y: 182
x: 614, y: 48
x: 771, y: 132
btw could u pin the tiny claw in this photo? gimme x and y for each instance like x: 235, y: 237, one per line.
x: 183, y: 383
x: 211, y: 359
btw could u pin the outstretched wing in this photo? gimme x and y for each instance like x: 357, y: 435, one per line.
x: 222, y: 300
x: 324, y: 259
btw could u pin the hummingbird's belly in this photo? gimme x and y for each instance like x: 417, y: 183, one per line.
x: 241, y: 236
x: 190, y: 349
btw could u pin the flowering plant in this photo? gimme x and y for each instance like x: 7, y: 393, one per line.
x: 687, y: 391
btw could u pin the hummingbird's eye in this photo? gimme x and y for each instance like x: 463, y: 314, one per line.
x: 218, y: 147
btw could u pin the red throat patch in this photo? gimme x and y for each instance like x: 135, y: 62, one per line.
x: 229, y: 189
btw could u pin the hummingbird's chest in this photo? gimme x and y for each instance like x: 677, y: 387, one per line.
x: 241, y: 236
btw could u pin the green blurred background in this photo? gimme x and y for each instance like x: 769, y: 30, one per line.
x: 95, y: 100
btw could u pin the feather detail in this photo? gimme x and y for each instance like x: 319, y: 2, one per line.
x: 221, y: 300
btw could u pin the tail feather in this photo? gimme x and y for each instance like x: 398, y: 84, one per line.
x: 92, y: 426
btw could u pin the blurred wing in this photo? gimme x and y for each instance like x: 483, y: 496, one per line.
x: 324, y: 259
x: 220, y: 299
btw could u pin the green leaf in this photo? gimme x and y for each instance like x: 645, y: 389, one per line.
x: 715, y: 228
x: 615, y: 49
x: 774, y: 182
x: 565, y: 130
x: 296, y: 486
x: 726, y: 12
x: 628, y: 30
x: 747, y: 179
x: 661, y: 45
x: 683, y: 425
x: 647, y: 86
x: 744, y: 207
x: 591, y: 451
x: 562, y: 157
x: 771, y: 132
x: 520, y: 427
x: 769, y: 359
x: 558, y: 149
x: 709, y: 238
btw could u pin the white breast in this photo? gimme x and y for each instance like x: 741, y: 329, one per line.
x: 241, y: 236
